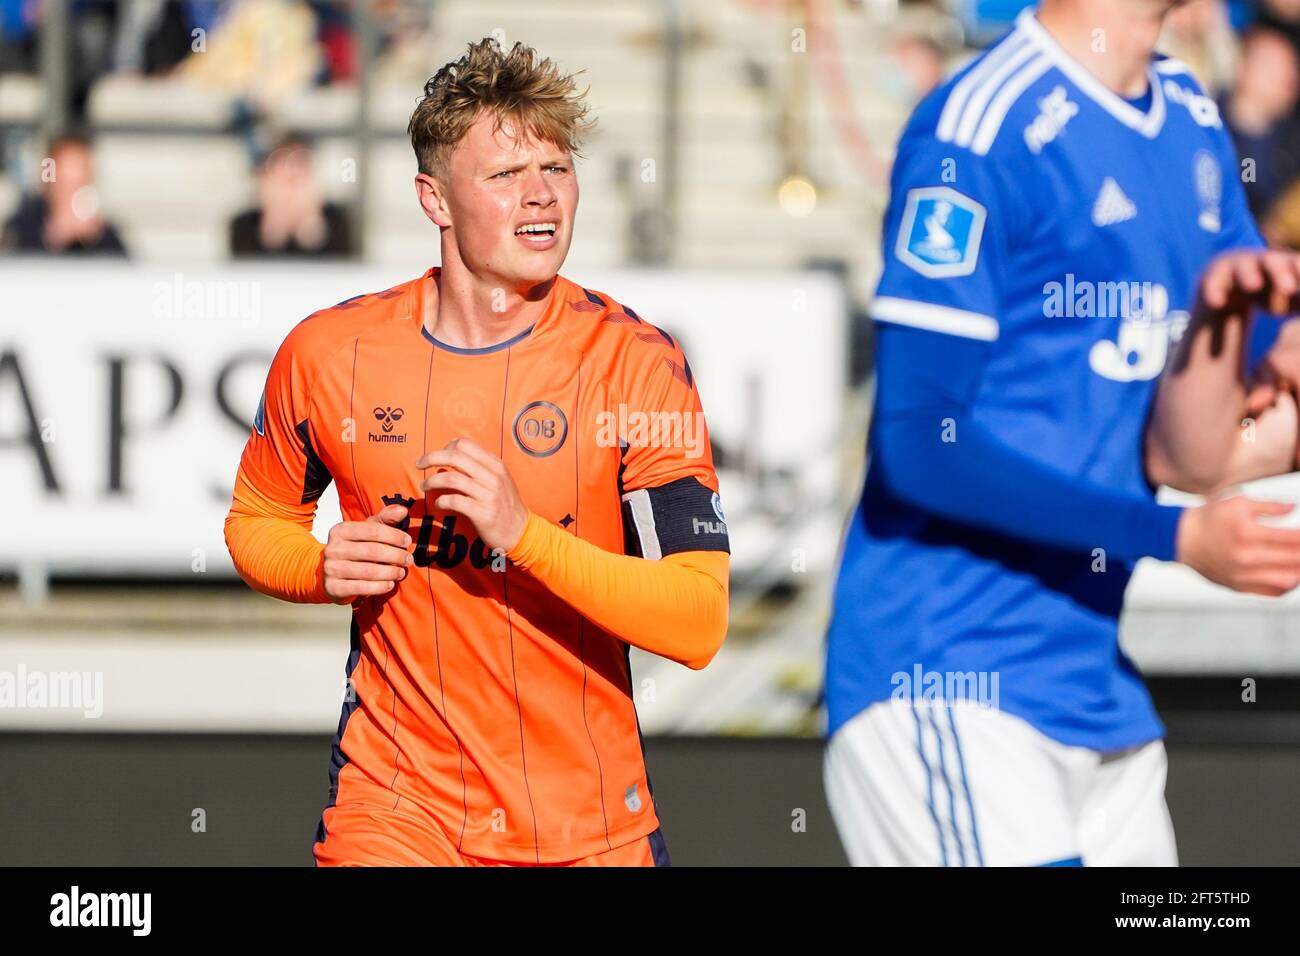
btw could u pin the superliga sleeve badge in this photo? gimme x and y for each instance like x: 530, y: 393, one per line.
x: 940, y: 233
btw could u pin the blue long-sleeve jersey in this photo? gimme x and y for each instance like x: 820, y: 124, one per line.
x: 1042, y: 246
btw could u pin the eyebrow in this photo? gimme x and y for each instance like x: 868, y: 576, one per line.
x: 515, y: 165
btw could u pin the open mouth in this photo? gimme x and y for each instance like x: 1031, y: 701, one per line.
x: 537, y: 232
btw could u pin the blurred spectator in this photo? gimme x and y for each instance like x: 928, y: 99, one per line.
x: 155, y: 36
x: 407, y: 43
x: 91, y: 24
x: 1282, y: 16
x: 90, y: 28
x: 338, y: 44
x: 65, y: 218
x: 1260, y: 114
x: 921, y: 66
x: 18, y: 36
x: 262, y: 51
x: 1281, y: 226
x: 1200, y: 34
x: 291, y: 218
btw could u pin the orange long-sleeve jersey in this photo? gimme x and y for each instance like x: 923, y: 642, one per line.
x: 484, y: 704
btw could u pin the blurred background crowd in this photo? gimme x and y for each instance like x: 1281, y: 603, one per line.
x: 206, y: 129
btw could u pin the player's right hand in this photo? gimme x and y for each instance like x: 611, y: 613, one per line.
x: 365, y: 558
x: 1226, y: 542
x: 1241, y: 279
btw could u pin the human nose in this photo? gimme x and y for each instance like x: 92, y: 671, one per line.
x: 537, y: 190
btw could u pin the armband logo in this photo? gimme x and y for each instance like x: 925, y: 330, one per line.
x: 940, y: 233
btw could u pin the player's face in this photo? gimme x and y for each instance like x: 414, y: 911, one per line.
x: 510, y: 202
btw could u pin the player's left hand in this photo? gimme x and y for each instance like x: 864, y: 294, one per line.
x: 475, y: 483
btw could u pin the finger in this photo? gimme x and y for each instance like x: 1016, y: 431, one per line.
x: 1248, y: 274
x: 370, y: 530
x: 1261, y: 397
x: 478, y: 453
x: 1217, y: 283
x: 454, y: 458
x: 1271, y: 535
x: 1273, y: 581
x: 1262, y: 590
x: 342, y: 570
x: 1293, y: 263
x: 352, y: 589
x: 457, y: 503
x: 1281, y: 366
x: 1258, y: 508
x: 1283, y: 378
x: 1266, y: 555
x: 391, y: 515
x: 370, y: 551
x: 451, y: 481
x: 1281, y: 280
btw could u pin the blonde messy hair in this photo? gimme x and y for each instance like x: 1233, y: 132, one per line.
x: 517, y: 86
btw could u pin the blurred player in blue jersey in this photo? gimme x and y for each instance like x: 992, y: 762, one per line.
x: 1056, y: 208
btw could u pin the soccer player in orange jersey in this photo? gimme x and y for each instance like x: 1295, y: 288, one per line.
x: 527, y: 490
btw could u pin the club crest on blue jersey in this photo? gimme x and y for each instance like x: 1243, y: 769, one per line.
x: 940, y: 232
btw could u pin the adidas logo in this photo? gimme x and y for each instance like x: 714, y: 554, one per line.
x: 1112, y: 205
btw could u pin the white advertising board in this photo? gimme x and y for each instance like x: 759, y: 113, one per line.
x: 126, y: 393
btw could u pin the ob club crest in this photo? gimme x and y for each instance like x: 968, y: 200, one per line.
x: 540, y: 429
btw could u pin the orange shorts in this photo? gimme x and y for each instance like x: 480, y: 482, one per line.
x: 372, y: 836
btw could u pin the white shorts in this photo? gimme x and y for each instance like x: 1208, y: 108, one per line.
x: 965, y: 785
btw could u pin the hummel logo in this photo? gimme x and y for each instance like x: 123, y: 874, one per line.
x: 1112, y: 205
x: 387, y: 416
